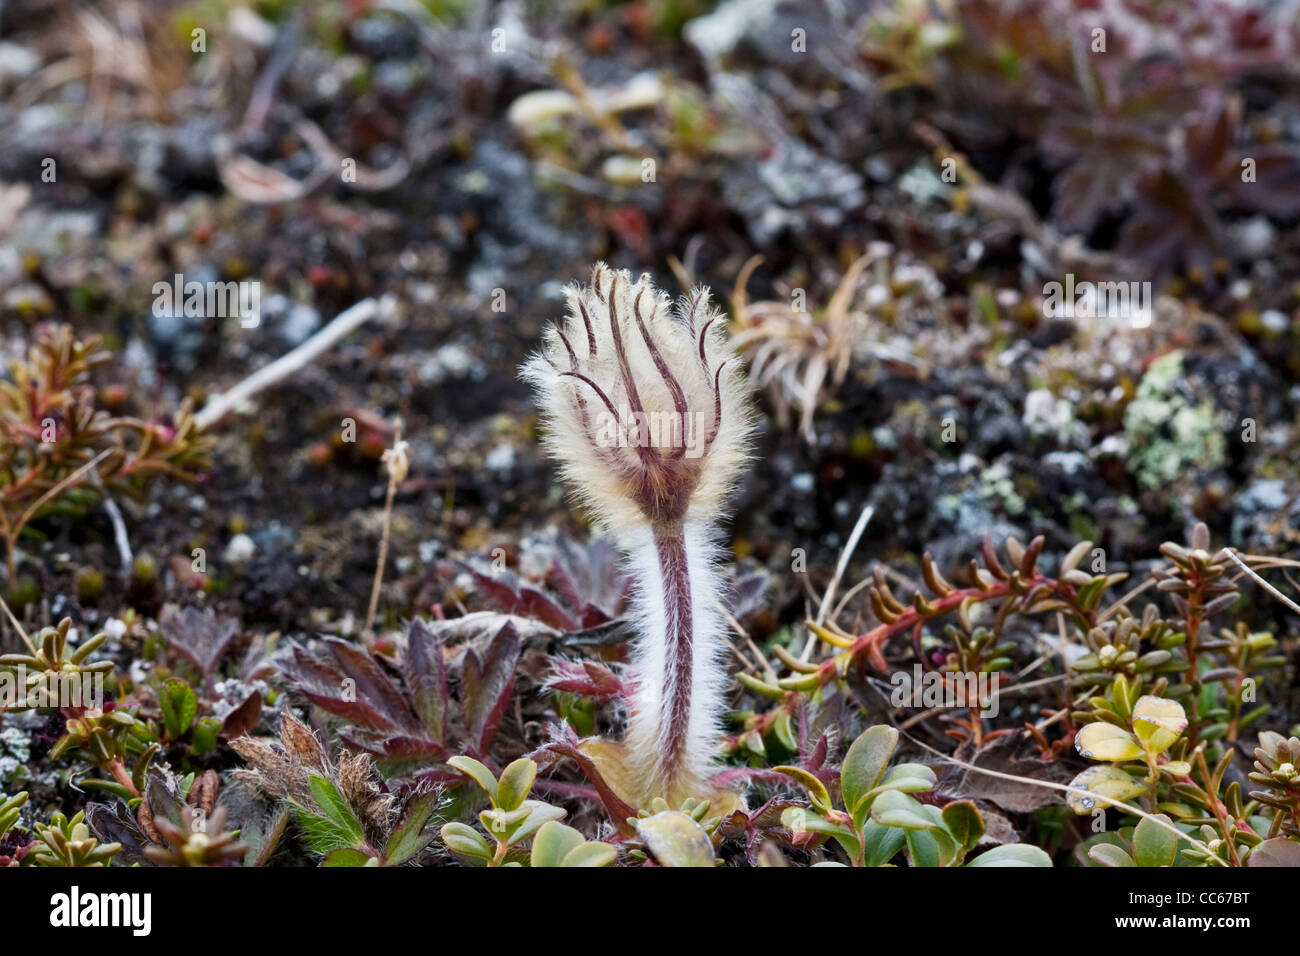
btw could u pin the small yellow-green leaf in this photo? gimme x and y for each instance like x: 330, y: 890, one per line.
x: 1103, y: 784
x: 1176, y: 768
x: 895, y: 809
x: 674, y: 839
x: 1012, y: 854
x: 539, y: 814
x: 801, y: 822
x: 1122, y: 693
x: 516, y: 780
x: 464, y: 840
x: 478, y: 773
x: 964, y: 823
x: 865, y: 763
x: 1108, y: 854
x: 817, y: 792
x: 1158, y: 722
x: 1102, y: 741
x: 553, y: 842
x: 909, y: 777
x: 591, y: 855
x: 783, y: 730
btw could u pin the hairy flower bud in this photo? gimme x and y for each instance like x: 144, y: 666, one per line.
x: 649, y: 417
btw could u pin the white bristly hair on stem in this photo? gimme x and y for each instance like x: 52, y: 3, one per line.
x: 649, y: 419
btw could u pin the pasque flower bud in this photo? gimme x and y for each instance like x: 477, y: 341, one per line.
x: 648, y: 415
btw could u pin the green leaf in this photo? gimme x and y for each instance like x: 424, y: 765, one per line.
x: 1012, y: 854
x: 332, y: 804
x: 554, y: 841
x: 880, y: 843
x: 179, y: 706
x: 516, y: 780
x: 1122, y: 692
x: 674, y: 839
x: 922, y: 848
x: 591, y: 855
x: 1103, y: 741
x: 140, y: 771
x: 964, y: 823
x: 817, y: 792
x: 1153, y: 845
x: 108, y: 786
x: 347, y: 856
x: 1159, y: 722
x: 1278, y: 851
x: 478, y: 773
x: 321, y: 833
x: 463, y: 840
x: 896, y: 809
x: 907, y: 777
x: 783, y: 730
x: 411, y: 835
x: 1103, y: 784
x: 538, y: 814
x: 865, y: 764
x: 203, y: 738
x: 1108, y: 854
x: 800, y: 821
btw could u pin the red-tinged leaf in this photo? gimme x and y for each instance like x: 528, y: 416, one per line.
x: 747, y: 594
x: 198, y: 635
x: 587, y: 678
x: 817, y: 758
x: 1089, y: 189
x: 593, y: 616
x: 1276, y: 189
x: 618, y: 810
x: 373, y: 685
x: 244, y: 718
x: 1208, y: 142
x: 405, y: 755
x: 487, y: 683
x: 591, y: 578
x: 562, y: 572
x: 354, y: 711
x: 413, y: 748
x: 426, y: 678
x: 533, y: 603
x: 499, y: 587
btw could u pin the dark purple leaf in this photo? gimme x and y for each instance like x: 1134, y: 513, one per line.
x: 372, y: 684
x: 426, y: 679
x: 244, y: 718
x: 487, y: 683
x: 198, y: 635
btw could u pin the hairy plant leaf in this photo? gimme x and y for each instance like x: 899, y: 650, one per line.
x: 487, y: 683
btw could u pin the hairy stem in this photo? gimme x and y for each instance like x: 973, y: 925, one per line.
x: 674, y: 724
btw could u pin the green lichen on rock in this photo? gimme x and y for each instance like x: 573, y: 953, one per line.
x: 1167, y: 433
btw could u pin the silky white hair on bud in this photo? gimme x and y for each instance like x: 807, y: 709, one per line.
x: 648, y: 414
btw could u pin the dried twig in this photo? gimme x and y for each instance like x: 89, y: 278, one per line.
x: 397, y: 462
x: 1232, y: 553
x: 347, y: 321
x: 840, y: 567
